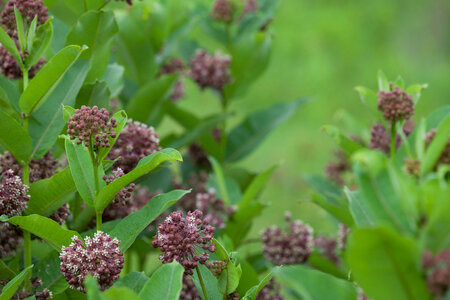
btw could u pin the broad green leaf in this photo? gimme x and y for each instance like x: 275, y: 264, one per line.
x: 47, y: 270
x: 92, y: 289
x: 239, y: 224
x: 94, y: 94
x: 113, y: 77
x: 14, y: 138
x: 47, y: 122
x: 229, y: 279
x: 245, y: 137
x: 249, y: 278
x: 324, y: 264
x: 211, y: 284
x: 41, y: 42
x: 386, y: 264
x: 434, y: 119
x: 9, y: 45
x: 251, y: 293
x: 5, y: 271
x: 338, y: 211
x: 221, y: 252
x: 150, y: 97
x: 7, y: 106
x: 115, y: 293
x: 436, y: 146
x: 132, y: 225
x: 68, y: 112
x: 255, y: 187
x: 49, y: 194
x: 311, y: 284
x: 45, y: 81
x: 344, y: 142
x: 121, y: 119
x: 134, y: 281
x: 416, y: 91
x: 220, y: 177
x: 144, y: 166
x: 399, y: 82
x: 82, y: 170
x: 361, y: 214
x: 10, y: 289
x: 165, y: 283
x: 46, y: 229
x: 383, y: 82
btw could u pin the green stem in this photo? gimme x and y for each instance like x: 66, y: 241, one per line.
x: 202, y: 283
x: 98, y: 217
x: 95, y: 165
x: 223, y: 131
x: 25, y: 78
x: 85, y: 5
x: 393, y: 133
x: 27, y: 255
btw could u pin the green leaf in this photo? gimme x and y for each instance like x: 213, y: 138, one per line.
x: 245, y: 137
x: 312, y: 284
x: 68, y: 112
x: 134, y: 281
x: 150, y: 97
x: 144, y: 166
x: 6, y: 105
x: 113, y: 77
x: 211, y: 284
x: 40, y: 43
x: 361, y: 214
x: 383, y: 82
x: 14, y: 138
x: 165, y: 283
x: 47, y: 122
x: 5, y: 271
x: 93, y: 292
x: 336, y: 210
x: 229, y: 279
x: 239, y: 224
x: 9, y: 45
x: 345, y: 143
x: 416, y: 91
x: 31, y: 32
x: 82, y: 170
x: 45, y: 81
x: 121, y: 119
x: 115, y: 293
x: 20, y: 29
x: 256, y: 185
x: 49, y: 194
x: 47, y: 270
x: 132, y: 225
x: 94, y: 94
x: 386, y: 264
x: 46, y: 229
x: 251, y: 293
x: 10, y: 289
x: 217, y: 168
x: 436, y: 147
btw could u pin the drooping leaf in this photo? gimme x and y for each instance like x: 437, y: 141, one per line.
x: 386, y: 264
x: 165, y: 283
x: 14, y: 138
x: 45, y: 81
x: 132, y: 225
x: 11, y: 287
x: 245, y: 137
x: 344, y: 142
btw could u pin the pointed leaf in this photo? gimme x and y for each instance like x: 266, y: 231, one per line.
x: 437, y: 146
x: 14, y: 138
x: 10, y: 289
x: 41, y: 42
x: 220, y: 179
x: 165, y: 283
x: 5, y: 271
x: 251, y: 293
x: 9, y: 45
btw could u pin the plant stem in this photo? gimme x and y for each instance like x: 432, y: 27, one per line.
x: 85, y: 5
x: 393, y: 133
x: 27, y: 255
x: 223, y: 131
x: 25, y: 78
x: 202, y: 283
x: 98, y: 217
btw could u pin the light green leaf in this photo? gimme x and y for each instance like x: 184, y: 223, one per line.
x: 229, y: 278
x: 345, y: 143
x: 383, y: 82
x: 48, y: 271
x: 436, y: 147
x: 113, y: 77
x: 14, y: 138
x: 134, y: 281
x: 45, y: 81
x: 10, y: 289
x: 211, y: 284
x: 20, y: 29
x: 121, y: 119
x: 41, y: 42
x: 255, y: 187
x: 165, y: 283
x: 251, y: 293
x: 9, y: 45
x: 5, y: 271
x: 217, y: 168
x: 31, y: 32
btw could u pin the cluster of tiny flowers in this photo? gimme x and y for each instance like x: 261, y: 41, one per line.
x: 99, y: 256
x: 444, y: 158
x: 13, y: 195
x: 189, y: 291
x: 123, y: 197
x: 28, y: 9
x: 10, y: 240
x: 271, y: 291
x: 61, y: 214
x: 174, y: 66
x: 335, y: 170
x: 30, y: 292
x: 438, y: 267
x: 91, y: 125
x: 185, y: 239
x: 196, y: 182
x: 222, y: 10
x: 10, y: 67
x: 216, y: 267
x: 396, y: 105
x: 380, y: 139
x: 343, y: 233
x: 251, y: 6
x: 198, y: 156
x: 39, y: 169
x: 135, y: 142
x: 286, y: 247
x: 210, y: 70
x: 328, y: 247
x: 212, y: 207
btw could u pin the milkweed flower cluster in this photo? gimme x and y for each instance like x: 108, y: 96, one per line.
x: 189, y: 290
x: 28, y: 9
x: 13, y: 195
x: 328, y: 247
x: 124, y: 195
x: 343, y: 233
x: 135, y: 142
x: 396, y: 105
x: 185, y: 239
x: 210, y: 70
x: 10, y: 67
x: 174, y: 66
x: 61, y: 214
x: 216, y: 267
x: 444, y: 158
x: 212, y: 207
x: 99, y: 256
x: 289, y: 246
x: 336, y: 169
x: 381, y: 140
x: 39, y: 169
x: 438, y: 267
x: 91, y: 126
x: 10, y: 240
x: 222, y: 11
x: 196, y: 182
x: 271, y: 291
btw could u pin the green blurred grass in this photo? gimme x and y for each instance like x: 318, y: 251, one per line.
x: 322, y: 50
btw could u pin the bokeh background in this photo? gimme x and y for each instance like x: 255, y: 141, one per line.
x: 322, y: 49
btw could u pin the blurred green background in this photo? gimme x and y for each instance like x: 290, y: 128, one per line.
x: 322, y: 49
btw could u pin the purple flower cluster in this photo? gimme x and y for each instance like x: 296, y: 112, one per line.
x: 212, y: 207
x: 61, y: 214
x: 438, y: 267
x: 10, y: 240
x: 185, y: 239
x: 210, y: 70
x: 91, y: 126
x: 28, y: 9
x: 251, y: 6
x: 290, y: 246
x: 124, y: 196
x: 39, y: 169
x: 99, y: 256
x: 13, y: 195
x: 271, y: 291
x: 216, y: 267
x: 335, y: 170
x: 11, y: 69
x: 31, y: 291
x: 328, y: 247
x: 222, y: 10
x: 444, y: 158
x: 380, y: 139
x: 135, y: 142
x: 189, y: 290
x: 343, y: 233
x: 396, y: 105
x: 198, y: 156
x: 174, y: 66
x: 197, y: 182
